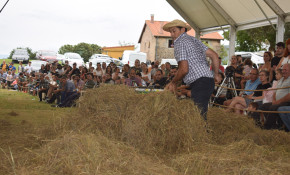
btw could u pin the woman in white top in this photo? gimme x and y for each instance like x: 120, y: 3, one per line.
x: 98, y: 71
x: 146, y: 76
x: 286, y: 55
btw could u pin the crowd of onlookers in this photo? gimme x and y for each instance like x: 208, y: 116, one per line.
x: 63, y: 84
x: 254, y: 86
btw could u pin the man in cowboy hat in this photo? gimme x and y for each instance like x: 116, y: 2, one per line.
x: 191, y: 54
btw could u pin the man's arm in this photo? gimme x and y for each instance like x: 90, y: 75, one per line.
x: 286, y: 98
x: 182, y: 71
x: 215, y: 60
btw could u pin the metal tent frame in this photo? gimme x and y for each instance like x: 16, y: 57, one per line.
x: 206, y: 16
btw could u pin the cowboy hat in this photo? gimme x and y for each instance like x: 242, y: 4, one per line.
x: 176, y: 23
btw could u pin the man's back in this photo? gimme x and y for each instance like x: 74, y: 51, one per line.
x: 280, y: 93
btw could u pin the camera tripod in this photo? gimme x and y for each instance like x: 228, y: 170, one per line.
x: 229, y: 83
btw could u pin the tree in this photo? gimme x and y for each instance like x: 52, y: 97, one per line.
x: 84, y: 49
x: 257, y: 39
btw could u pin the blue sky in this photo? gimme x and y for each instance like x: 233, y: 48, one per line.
x: 49, y: 24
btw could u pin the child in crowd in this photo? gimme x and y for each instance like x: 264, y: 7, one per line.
x: 253, y: 106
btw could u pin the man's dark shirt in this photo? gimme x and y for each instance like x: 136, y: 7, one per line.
x: 160, y: 83
x: 275, y: 61
x: 76, y: 72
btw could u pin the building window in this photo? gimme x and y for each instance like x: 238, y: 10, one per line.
x: 170, y: 43
x: 149, y: 45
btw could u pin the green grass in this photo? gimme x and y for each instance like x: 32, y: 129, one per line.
x: 18, y: 106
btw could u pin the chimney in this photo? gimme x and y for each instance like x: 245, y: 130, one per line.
x: 152, y: 18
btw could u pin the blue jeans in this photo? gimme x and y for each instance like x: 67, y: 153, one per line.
x: 201, y: 91
x: 285, y: 117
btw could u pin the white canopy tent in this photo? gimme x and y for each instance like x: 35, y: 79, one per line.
x: 213, y: 15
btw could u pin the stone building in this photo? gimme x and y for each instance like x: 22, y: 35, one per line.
x: 158, y: 43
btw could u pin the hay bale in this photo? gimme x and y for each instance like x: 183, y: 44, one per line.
x: 90, y: 154
x: 153, y: 123
x: 241, y: 157
x: 230, y: 127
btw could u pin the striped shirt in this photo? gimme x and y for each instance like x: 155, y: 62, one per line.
x: 193, y: 51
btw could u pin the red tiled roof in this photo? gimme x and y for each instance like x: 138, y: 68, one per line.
x: 156, y: 29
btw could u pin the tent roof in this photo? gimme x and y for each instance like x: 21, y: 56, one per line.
x: 207, y: 15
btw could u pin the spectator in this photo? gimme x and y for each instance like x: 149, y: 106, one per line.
x: 79, y: 84
x: 116, y: 75
x: 59, y: 69
x: 47, y: 67
x: 90, y: 83
x: 104, y: 68
x: 133, y: 81
x: 276, y: 59
x: 4, y: 66
x: 242, y: 101
x: 20, y: 67
x: 68, y: 88
x: 248, y: 65
x: 280, y: 98
x: 143, y: 83
x: 154, y: 68
x: 162, y: 67
x: 84, y: 72
x: 21, y: 82
x: 268, y: 95
x: 75, y: 70
x: 137, y: 66
x: 221, y: 67
x: 145, y: 75
x: 43, y: 87
x: 159, y: 80
x: 42, y: 69
x: 285, y: 117
x: 107, y: 78
x: 28, y: 68
x: 286, y: 57
x: 125, y: 72
x: 267, y: 66
x: 9, y: 79
x: 53, y: 85
x: 3, y: 76
x: 167, y: 69
x: 98, y: 72
x: 109, y: 70
x: 12, y: 67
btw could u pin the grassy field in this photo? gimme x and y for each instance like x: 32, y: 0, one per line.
x: 22, y: 118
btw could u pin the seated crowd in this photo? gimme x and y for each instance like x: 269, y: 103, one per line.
x: 64, y: 84
x: 254, y: 88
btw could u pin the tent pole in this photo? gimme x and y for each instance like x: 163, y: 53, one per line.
x: 280, y: 30
x: 233, y: 35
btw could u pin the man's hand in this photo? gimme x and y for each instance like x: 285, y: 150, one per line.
x: 171, y: 87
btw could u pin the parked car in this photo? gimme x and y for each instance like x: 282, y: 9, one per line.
x: 46, y: 55
x: 59, y: 57
x: 172, y: 62
x: 20, y: 55
x: 73, y: 58
x: 94, y: 56
x: 36, y: 64
x: 129, y: 57
x: 94, y: 61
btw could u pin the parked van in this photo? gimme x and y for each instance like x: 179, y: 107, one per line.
x: 129, y: 57
x: 172, y: 62
x: 20, y: 55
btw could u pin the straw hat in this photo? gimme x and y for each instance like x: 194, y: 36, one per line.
x: 176, y: 23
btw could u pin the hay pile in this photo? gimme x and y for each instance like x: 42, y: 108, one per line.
x: 118, y: 131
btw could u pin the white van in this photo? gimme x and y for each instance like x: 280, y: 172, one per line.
x: 129, y: 57
x: 172, y: 62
